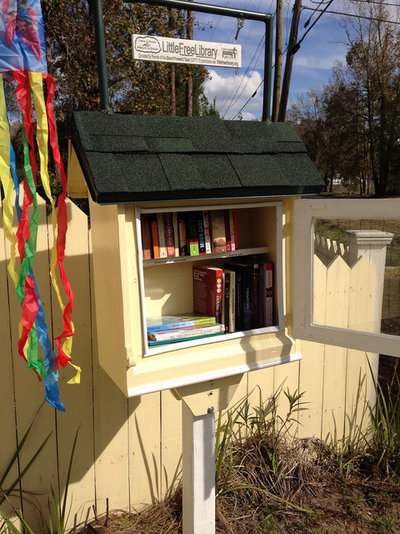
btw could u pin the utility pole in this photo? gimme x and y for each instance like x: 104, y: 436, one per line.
x: 278, y: 60
x: 292, y: 49
x: 189, y: 86
x: 172, y: 76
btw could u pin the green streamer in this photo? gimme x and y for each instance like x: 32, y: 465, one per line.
x: 34, y: 362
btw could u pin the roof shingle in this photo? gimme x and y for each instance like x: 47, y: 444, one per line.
x: 130, y: 158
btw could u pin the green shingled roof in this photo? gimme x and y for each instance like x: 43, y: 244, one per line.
x: 130, y: 158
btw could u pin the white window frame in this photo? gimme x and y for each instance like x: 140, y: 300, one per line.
x: 305, y: 213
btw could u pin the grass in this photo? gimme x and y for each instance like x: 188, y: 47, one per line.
x: 57, y: 507
x: 268, y: 480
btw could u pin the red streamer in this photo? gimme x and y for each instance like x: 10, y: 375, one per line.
x: 62, y: 220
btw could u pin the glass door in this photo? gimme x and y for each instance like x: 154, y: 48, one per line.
x: 347, y: 273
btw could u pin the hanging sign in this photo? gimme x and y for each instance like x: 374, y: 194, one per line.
x: 171, y: 50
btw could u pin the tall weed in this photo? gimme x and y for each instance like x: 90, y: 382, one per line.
x: 350, y: 448
x: 9, y: 488
x: 249, y: 445
x: 384, y: 443
x: 56, y: 507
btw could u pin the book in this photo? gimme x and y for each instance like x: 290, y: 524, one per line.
x: 162, y: 240
x: 233, y: 228
x: 269, y: 295
x: 208, y: 291
x: 231, y: 299
x: 176, y: 232
x: 154, y: 237
x: 244, y: 300
x: 192, y: 235
x: 217, y: 224
x: 179, y: 333
x: 146, y: 237
x: 207, y: 233
x: 225, y: 300
x: 180, y: 340
x: 257, y: 320
x: 183, y: 248
x: 177, y: 321
x: 228, y: 239
x: 200, y: 232
x: 261, y: 292
x: 169, y: 235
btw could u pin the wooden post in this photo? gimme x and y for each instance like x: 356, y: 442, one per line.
x: 278, y: 60
x: 190, y: 70
x: 289, y: 60
x: 198, y: 464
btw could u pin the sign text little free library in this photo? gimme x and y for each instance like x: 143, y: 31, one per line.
x: 171, y: 50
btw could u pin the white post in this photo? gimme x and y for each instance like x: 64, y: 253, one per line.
x: 198, y: 465
x: 372, y: 244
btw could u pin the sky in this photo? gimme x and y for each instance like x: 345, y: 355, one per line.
x: 322, y: 47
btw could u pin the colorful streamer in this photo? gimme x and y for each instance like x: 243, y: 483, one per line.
x: 23, y: 65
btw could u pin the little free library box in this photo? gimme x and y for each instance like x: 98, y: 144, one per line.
x: 192, y: 222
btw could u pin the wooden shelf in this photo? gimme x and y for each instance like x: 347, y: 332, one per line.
x: 180, y: 259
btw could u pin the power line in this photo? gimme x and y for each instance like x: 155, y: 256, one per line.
x: 374, y: 2
x: 322, y: 11
x: 254, y: 58
x: 377, y: 2
x: 310, y: 17
x: 255, y: 92
x: 375, y: 19
x: 248, y: 100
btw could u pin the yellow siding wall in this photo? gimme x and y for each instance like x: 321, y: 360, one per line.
x: 128, y: 450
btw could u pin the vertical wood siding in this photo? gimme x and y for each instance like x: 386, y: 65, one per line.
x: 129, y: 450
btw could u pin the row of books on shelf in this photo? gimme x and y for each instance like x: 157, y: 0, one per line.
x: 188, y: 233
x: 237, y: 297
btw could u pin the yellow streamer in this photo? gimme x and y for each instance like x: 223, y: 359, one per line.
x: 42, y: 137
x: 7, y: 181
x: 77, y: 378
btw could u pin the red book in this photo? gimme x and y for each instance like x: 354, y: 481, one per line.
x: 208, y: 291
x: 169, y: 235
x: 146, y: 237
x: 154, y: 238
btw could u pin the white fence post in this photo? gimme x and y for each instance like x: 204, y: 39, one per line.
x: 372, y: 244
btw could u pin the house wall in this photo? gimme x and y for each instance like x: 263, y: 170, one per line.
x: 128, y: 450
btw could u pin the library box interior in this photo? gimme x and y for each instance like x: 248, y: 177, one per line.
x: 192, y: 224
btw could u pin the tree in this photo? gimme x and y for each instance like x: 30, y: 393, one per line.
x: 139, y: 87
x: 355, y: 129
x: 373, y: 70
